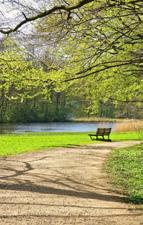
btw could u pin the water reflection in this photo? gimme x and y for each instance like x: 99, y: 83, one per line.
x: 54, y: 127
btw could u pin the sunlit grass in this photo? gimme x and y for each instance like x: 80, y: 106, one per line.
x: 126, y: 136
x: 19, y: 143
x: 13, y: 144
x: 126, y: 171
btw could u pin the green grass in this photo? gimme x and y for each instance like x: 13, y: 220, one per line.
x: 19, y: 143
x: 125, y: 167
x: 127, y: 136
x: 13, y: 144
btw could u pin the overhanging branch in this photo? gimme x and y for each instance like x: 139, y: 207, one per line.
x: 46, y: 13
x: 105, y: 67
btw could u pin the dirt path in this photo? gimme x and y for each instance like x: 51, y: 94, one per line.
x: 62, y: 187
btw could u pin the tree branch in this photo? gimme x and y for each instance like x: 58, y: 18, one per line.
x: 46, y: 13
x: 106, y: 67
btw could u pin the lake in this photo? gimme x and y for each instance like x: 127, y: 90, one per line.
x: 54, y: 127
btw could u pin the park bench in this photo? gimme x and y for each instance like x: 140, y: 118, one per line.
x: 101, y: 132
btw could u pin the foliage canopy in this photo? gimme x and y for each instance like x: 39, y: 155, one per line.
x: 97, y: 40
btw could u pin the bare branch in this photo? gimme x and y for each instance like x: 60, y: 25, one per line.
x: 46, y: 13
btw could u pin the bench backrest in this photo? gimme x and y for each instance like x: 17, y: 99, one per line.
x: 103, y: 131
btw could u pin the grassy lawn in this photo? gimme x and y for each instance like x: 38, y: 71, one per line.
x: 19, y: 143
x: 126, y: 169
x: 126, y: 136
x: 13, y: 144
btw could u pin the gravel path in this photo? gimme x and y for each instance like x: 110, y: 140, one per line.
x: 63, y: 187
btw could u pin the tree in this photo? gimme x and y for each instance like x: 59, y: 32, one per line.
x: 101, y: 29
x: 97, y: 40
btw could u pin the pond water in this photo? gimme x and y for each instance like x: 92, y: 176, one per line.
x: 54, y: 127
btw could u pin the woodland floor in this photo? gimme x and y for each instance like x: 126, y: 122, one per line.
x: 63, y: 187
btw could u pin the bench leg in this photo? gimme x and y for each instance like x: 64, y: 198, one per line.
x: 91, y: 138
x: 109, y: 138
